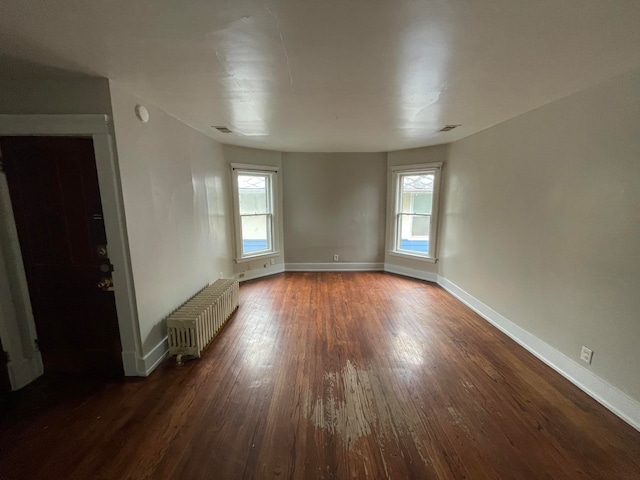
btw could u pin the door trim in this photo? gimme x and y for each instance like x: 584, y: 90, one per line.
x: 17, y: 328
x: 100, y: 128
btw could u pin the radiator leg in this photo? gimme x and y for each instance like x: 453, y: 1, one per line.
x: 179, y: 359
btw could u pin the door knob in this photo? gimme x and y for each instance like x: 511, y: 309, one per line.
x: 106, y: 284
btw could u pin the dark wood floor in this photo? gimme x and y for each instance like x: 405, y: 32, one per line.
x: 327, y: 375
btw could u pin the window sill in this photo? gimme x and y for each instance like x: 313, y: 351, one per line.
x: 419, y: 258
x: 257, y: 257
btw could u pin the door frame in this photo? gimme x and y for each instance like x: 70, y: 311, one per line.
x: 18, y: 328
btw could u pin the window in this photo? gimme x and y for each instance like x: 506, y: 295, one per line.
x: 415, y: 207
x: 254, y: 191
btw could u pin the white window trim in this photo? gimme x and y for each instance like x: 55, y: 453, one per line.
x: 396, y: 172
x: 237, y: 168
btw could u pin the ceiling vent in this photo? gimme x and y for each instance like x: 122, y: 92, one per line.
x: 223, y: 129
x: 448, y: 128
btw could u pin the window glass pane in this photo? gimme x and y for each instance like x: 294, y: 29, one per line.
x: 414, y: 233
x: 253, y: 194
x: 406, y: 202
x: 420, y: 226
x: 256, y: 233
x: 417, y: 193
x: 422, y: 202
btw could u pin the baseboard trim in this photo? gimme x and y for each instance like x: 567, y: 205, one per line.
x: 334, y: 267
x: 24, y: 371
x: 151, y: 360
x: 411, y: 272
x: 259, y: 272
x: 609, y: 396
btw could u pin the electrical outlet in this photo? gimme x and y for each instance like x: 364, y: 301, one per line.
x: 586, y: 354
x: 249, y: 266
x: 335, y: 258
x: 272, y: 261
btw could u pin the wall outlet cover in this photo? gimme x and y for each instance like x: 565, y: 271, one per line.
x: 586, y: 355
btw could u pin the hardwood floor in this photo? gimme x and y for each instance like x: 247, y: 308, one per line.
x: 328, y: 375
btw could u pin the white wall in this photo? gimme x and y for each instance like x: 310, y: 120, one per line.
x: 176, y: 197
x: 54, y: 95
x: 334, y: 203
x: 542, y: 224
x: 414, y: 267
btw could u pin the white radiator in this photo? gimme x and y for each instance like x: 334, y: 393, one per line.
x: 192, y: 326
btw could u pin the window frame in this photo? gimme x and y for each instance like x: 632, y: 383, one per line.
x: 397, y: 174
x: 271, y: 173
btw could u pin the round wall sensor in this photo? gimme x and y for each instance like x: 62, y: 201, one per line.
x: 142, y: 113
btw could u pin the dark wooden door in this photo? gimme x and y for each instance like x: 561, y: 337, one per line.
x: 55, y: 196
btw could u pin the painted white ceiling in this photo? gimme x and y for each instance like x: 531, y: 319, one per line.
x: 333, y: 75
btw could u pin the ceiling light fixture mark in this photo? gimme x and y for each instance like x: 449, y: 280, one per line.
x: 222, y: 129
x: 448, y: 128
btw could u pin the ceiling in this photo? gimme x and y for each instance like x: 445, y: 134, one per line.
x: 332, y: 75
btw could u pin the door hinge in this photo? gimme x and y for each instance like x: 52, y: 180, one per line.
x: 7, y: 357
x: 36, y: 344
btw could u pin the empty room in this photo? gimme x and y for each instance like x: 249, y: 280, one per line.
x: 330, y: 239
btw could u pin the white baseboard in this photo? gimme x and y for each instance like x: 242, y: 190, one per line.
x: 334, y: 267
x: 151, y: 360
x: 411, y: 272
x: 259, y: 272
x: 612, y: 398
x: 24, y: 371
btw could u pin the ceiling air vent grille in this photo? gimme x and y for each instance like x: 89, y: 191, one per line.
x: 448, y: 128
x: 223, y: 129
